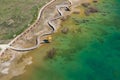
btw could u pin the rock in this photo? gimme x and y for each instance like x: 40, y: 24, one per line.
x: 65, y: 30
x: 87, y: 12
x: 51, y: 53
x: 79, y: 30
x: 85, y: 4
x: 67, y: 9
x: 90, y: 10
x: 95, y: 1
x: 93, y: 9
x: 76, y: 12
x: 104, y: 14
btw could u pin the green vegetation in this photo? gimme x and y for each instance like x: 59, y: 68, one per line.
x: 17, y: 15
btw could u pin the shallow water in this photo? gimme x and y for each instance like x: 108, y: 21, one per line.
x: 89, y: 51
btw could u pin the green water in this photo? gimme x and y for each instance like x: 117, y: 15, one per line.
x: 90, y: 50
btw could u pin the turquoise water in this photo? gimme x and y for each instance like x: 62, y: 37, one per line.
x: 90, y: 50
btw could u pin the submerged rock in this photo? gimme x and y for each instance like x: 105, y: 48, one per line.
x: 51, y: 53
x: 95, y: 1
x: 87, y: 12
x: 65, y: 30
x: 93, y: 9
x: 90, y: 10
x: 85, y: 4
x: 76, y: 12
x: 85, y: 20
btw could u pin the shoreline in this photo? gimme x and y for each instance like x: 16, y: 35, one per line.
x: 32, y: 25
x: 5, y: 70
